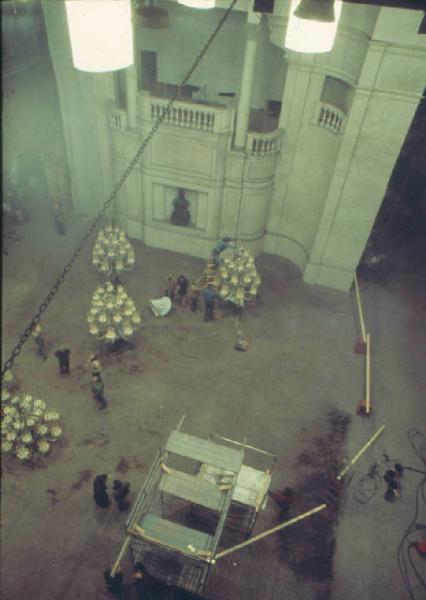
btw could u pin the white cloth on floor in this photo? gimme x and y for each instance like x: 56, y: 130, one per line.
x: 161, y: 307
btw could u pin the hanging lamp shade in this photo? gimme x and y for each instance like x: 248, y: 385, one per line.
x: 198, y: 3
x: 100, y: 34
x: 316, y: 10
x: 307, y: 35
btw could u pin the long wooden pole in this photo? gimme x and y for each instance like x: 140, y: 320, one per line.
x: 360, y: 311
x: 179, y: 425
x: 264, y: 534
x: 360, y: 452
x: 120, y: 556
x: 367, y: 376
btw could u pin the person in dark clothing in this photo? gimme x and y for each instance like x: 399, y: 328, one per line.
x: 97, y: 386
x: 120, y: 490
x: 182, y: 290
x: 114, y: 584
x: 100, y: 494
x: 170, y: 287
x: 39, y: 340
x: 63, y: 356
x: 141, y: 581
x: 194, y: 296
x: 209, y: 296
x: 284, y: 500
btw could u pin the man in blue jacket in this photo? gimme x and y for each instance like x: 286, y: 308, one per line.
x: 219, y: 248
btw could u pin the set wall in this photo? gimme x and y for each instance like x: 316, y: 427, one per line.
x: 307, y: 160
x: 385, y: 101
x: 221, y: 67
x: 179, y: 44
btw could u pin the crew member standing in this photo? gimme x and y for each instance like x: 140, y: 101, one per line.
x: 209, y: 296
x: 194, y: 296
x: 100, y: 494
x: 39, y: 340
x: 94, y: 365
x: 63, y: 356
x: 120, y: 491
x: 284, y: 500
x: 182, y: 290
x: 98, y: 387
x: 170, y: 287
x: 219, y: 248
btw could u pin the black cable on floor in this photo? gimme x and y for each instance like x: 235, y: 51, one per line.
x: 404, y: 558
x: 367, y: 486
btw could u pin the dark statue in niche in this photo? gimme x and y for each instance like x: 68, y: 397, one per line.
x: 180, y: 215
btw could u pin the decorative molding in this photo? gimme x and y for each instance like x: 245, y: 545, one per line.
x: 404, y: 97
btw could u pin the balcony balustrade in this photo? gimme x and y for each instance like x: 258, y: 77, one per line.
x: 117, y: 118
x: 263, y: 144
x: 188, y: 114
x: 329, y: 117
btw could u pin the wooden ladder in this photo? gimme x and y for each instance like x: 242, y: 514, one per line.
x: 209, y: 276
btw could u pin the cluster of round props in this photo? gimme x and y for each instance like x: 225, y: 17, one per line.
x: 113, y: 252
x: 113, y: 315
x: 27, y: 427
x: 238, y: 279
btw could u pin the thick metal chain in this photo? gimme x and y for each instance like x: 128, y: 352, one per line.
x: 52, y: 292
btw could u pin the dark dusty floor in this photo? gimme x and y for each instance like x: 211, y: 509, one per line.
x: 55, y: 543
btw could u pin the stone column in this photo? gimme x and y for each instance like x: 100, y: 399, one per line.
x: 132, y: 82
x: 82, y: 99
x: 243, y: 114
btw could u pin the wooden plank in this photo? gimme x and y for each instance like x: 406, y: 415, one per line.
x: 204, y: 451
x: 251, y: 487
x: 173, y: 535
x: 193, y: 489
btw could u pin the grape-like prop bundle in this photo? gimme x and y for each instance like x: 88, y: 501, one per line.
x: 28, y: 428
x: 113, y: 314
x: 113, y: 253
x: 238, y: 279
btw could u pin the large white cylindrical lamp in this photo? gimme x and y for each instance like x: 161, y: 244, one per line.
x: 198, y: 3
x: 305, y: 35
x: 100, y: 34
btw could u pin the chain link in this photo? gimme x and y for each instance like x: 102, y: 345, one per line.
x: 52, y: 292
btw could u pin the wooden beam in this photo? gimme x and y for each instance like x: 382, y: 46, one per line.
x: 268, y: 532
x: 120, y: 556
x: 367, y: 377
x: 360, y: 452
x: 360, y: 311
